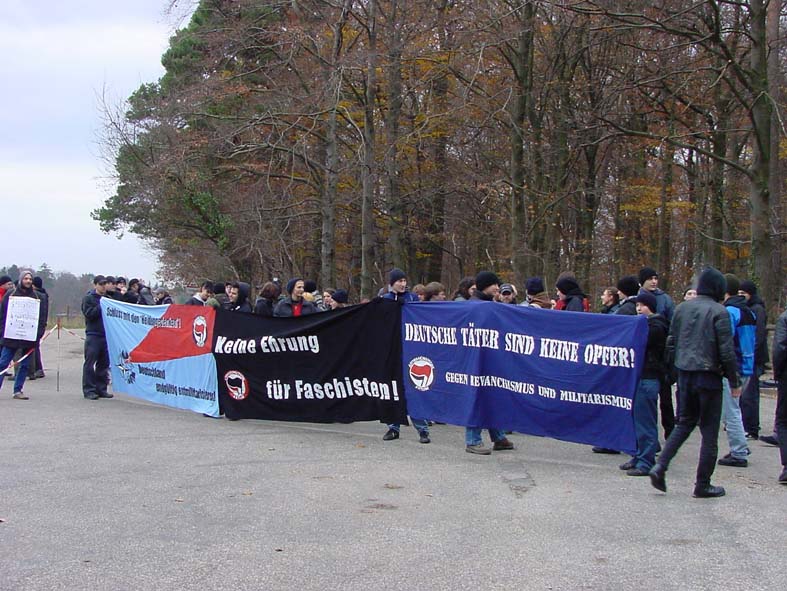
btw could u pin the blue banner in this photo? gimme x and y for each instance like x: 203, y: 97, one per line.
x: 162, y: 354
x: 565, y: 375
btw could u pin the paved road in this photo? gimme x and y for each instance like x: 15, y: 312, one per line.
x: 120, y: 494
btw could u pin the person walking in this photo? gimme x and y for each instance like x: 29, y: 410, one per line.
x: 701, y: 344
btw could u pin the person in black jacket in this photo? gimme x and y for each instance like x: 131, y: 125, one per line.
x: 95, y: 371
x: 628, y: 287
x: 568, y: 290
x: 266, y: 302
x: 201, y: 297
x: 11, y: 345
x: 701, y: 344
x: 294, y: 305
x: 646, y: 399
x: 238, y: 298
x: 36, y: 369
x: 780, y: 373
x: 750, y: 399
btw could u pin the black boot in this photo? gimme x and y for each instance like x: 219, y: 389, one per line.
x: 657, y: 479
x: 708, y: 491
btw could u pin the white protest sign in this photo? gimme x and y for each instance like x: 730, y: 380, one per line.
x: 21, y: 320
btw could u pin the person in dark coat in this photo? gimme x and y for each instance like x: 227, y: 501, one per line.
x: 267, y: 300
x: 702, y: 346
x: 95, y: 370
x: 750, y: 399
x: 36, y: 369
x: 239, y: 297
x: 294, y: 304
x: 628, y: 287
x: 201, y: 297
x: 11, y: 345
x: 780, y: 374
x: 571, y: 294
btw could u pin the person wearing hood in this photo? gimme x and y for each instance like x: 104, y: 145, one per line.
x: 10, y: 345
x: 145, y: 296
x: 572, y: 298
x: 294, y: 305
x: 701, y: 344
x: 397, y: 288
x: 95, y: 370
x: 239, y: 297
x: 649, y: 280
x: 750, y: 398
x: 487, y: 287
x: 744, y: 328
x: 646, y: 399
x: 536, y: 294
x: 36, y: 368
x: 628, y: 287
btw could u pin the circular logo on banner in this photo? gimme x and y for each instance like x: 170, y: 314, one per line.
x: 199, y: 330
x: 237, y: 384
x: 421, y: 371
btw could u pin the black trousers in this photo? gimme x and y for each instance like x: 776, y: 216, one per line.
x: 95, y: 371
x: 781, y: 419
x: 700, y: 404
x: 750, y: 403
x: 665, y: 406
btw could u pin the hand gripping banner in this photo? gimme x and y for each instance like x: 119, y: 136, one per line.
x: 338, y: 366
x: 162, y: 354
x: 566, y: 375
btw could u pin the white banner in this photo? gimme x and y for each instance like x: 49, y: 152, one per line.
x: 21, y: 320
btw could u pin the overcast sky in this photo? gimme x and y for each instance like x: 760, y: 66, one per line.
x: 56, y: 59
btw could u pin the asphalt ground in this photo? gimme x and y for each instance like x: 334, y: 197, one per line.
x: 121, y: 494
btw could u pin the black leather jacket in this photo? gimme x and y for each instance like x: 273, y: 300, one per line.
x: 780, y: 348
x: 700, y: 339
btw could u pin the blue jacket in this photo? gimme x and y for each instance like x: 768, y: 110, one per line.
x: 744, y: 331
x: 405, y: 297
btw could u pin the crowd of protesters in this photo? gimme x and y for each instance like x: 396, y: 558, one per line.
x: 712, y: 348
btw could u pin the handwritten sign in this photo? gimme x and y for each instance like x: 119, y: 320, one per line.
x: 21, y: 321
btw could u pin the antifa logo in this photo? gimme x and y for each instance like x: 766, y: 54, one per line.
x: 237, y: 384
x: 199, y: 331
x: 421, y: 372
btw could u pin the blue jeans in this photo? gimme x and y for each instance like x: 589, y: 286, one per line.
x: 6, y: 356
x: 646, y: 423
x: 420, y: 425
x: 731, y: 417
x: 473, y: 435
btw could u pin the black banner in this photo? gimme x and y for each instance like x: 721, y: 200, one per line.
x: 339, y: 366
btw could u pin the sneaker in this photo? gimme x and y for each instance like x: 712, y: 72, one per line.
x: 709, y: 492
x: 20, y: 396
x: 91, y: 396
x: 423, y: 437
x: 783, y: 476
x: 40, y: 374
x: 734, y: 462
x: 502, y: 445
x: 479, y: 449
x: 106, y: 395
x: 604, y: 450
x: 637, y: 472
x: 753, y: 436
x: 632, y: 463
x: 9, y: 373
x: 770, y: 439
x: 390, y: 435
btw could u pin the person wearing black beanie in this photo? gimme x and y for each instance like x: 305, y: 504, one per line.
x: 750, y: 399
x: 572, y: 295
x: 397, y: 288
x: 628, y: 286
x: 702, y: 347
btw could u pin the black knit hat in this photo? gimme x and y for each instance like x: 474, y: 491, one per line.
x: 733, y: 284
x: 395, y: 275
x: 340, y: 295
x: 566, y: 285
x: 647, y: 298
x: 712, y: 284
x: 309, y: 286
x: 484, y: 279
x: 628, y: 285
x: 534, y: 286
x: 291, y: 284
x: 646, y: 273
x: 746, y: 285
x: 5, y: 279
x: 38, y: 282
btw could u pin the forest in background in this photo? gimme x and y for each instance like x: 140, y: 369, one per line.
x: 334, y: 139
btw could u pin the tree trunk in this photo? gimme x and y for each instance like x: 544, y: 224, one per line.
x: 369, y: 174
